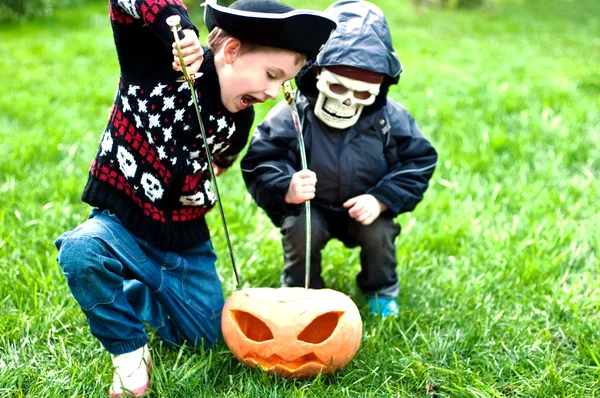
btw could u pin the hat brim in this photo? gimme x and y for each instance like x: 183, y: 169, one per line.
x: 303, y: 31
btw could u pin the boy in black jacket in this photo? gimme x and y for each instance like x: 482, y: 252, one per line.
x: 144, y: 254
x: 367, y: 159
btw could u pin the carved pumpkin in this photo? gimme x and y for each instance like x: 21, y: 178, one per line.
x: 292, y: 332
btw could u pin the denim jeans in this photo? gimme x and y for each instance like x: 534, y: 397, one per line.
x: 377, y: 256
x: 121, y: 281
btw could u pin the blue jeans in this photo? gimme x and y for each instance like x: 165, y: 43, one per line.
x: 121, y: 281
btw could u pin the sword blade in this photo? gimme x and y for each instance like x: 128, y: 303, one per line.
x: 289, y: 94
x: 173, y: 22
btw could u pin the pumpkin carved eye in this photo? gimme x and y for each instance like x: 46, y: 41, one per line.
x: 251, y: 326
x: 321, y: 328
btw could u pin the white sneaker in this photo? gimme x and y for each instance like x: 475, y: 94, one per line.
x: 131, y: 377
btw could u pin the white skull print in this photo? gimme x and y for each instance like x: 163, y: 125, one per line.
x: 129, y: 7
x: 106, y: 144
x: 209, y: 193
x: 152, y: 187
x: 192, y: 200
x: 126, y: 162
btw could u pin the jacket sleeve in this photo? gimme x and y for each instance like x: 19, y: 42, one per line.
x: 270, y: 162
x: 411, y: 159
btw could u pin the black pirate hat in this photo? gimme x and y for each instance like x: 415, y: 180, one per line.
x: 271, y: 23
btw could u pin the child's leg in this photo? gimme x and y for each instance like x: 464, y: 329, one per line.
x: 96, y: 257
x: 377, y: 257
x: 148, y: 309
x: 180, y: 294
x: 187, y: 306
x: 293, y: 230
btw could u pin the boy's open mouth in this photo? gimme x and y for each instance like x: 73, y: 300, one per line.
x: 248, y: 100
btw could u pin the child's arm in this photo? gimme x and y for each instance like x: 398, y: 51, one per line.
x: 153, y: 14
x: 271, y: 163
x: 411, y: 159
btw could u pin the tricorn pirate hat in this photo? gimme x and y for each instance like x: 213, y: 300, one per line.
x: 271, y: 23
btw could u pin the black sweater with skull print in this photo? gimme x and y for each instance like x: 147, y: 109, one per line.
x: 151, y: 168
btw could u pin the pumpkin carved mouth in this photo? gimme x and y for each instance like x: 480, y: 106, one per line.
x: 274, y: 360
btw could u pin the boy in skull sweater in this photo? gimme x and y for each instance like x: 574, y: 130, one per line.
x: 144, y: 254
x: 367, y: 159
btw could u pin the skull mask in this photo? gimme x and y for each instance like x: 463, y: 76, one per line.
x: 343, y: 93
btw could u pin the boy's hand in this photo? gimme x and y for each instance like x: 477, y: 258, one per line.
x: 302, y: 187
x: 219, y: 170
x: 192, y: 52
x: 364, y: 208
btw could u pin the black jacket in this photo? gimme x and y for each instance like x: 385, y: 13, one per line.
x: 384, y: 154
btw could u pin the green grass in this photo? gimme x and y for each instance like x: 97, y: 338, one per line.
x: 499, y: 264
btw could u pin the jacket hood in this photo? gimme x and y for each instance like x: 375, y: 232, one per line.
x: 363, y: 40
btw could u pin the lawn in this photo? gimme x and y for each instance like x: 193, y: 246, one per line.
x: 499, y: 263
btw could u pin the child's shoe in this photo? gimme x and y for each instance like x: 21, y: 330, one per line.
x: 384, y: 307
x: 131, y: 373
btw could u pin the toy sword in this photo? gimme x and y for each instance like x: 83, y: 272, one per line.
x: 174, y: 23
x: 289, y: 94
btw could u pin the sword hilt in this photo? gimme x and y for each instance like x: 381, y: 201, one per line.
x: 174, y: 22
x: 288, y: 92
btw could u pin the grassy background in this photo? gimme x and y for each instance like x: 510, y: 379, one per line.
x: 499, y: 264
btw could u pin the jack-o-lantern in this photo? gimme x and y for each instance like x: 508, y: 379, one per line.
x: 292, y: 332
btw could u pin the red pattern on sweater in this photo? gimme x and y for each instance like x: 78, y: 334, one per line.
x: 188, y: 213
x: 147, y: 10
x: 128, y: 131
x: 108, y: 174
x: 119, y: 15
x: 192, y: 182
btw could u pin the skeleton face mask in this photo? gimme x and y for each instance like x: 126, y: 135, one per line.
x: 342, y: 99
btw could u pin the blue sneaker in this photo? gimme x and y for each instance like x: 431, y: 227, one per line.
x: 383, y: 307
